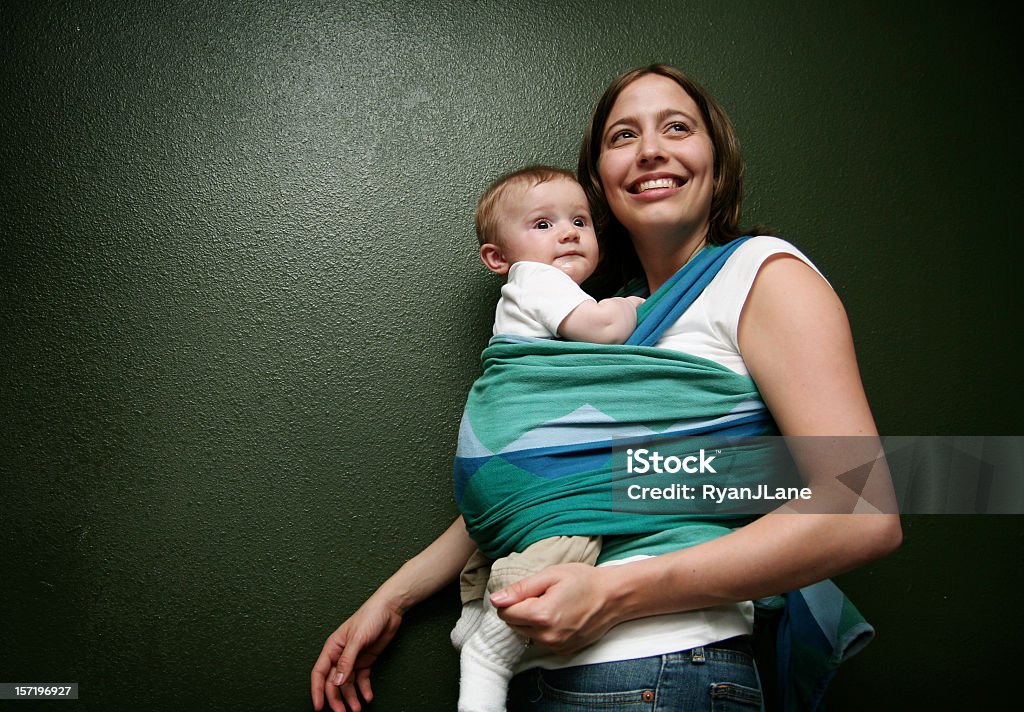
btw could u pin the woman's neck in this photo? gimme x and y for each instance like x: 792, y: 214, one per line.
x: 661, y: 258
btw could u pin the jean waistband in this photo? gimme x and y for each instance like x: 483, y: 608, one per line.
x: 739, y: 644
x: 738, y: 649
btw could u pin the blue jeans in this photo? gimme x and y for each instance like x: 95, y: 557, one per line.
x: 720, y: 677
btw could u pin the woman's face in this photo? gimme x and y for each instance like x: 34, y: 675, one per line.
x: 657, y: 161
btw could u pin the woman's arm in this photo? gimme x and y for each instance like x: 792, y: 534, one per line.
x: 356, y: 644
x: 795, y: 340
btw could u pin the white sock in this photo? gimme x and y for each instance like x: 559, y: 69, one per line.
x: 488, y: 657
x: 468, y: 623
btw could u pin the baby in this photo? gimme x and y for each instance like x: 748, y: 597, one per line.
x: 534, y: 226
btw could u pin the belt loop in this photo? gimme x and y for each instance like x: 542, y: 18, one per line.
x: 697, y: 655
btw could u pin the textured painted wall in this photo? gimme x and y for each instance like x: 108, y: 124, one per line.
x: 240, y: 307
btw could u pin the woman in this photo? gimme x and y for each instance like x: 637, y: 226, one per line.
x: 661, y: 162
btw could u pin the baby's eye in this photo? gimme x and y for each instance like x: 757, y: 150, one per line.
x: 579, y: 222
x: 542, y: 225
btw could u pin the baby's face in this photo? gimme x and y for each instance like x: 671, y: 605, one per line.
x: 549, y: 223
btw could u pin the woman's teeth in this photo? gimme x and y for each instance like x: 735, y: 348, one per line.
x: 656, y: 183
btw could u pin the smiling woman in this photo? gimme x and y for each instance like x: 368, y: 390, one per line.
x: 762, y: 344
x: 661, y: 165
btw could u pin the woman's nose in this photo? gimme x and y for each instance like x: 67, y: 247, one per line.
x: 650, y: 149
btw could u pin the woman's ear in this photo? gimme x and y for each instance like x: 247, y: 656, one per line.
x: 492, y: 256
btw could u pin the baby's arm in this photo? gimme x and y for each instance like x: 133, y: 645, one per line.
x: 609, y: 321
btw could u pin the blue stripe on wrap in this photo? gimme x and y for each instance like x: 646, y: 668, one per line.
x: 663, y: 308
x: 552, y: 462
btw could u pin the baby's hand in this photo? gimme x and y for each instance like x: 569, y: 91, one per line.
x: 635, y: 301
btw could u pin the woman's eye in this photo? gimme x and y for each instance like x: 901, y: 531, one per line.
x: 542, y: 225
x: 679, y: 127
x: 622, y: 135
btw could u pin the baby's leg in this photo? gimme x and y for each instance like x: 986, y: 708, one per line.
x: 491, y: 653
x: 488, y: 659
x: 472, y: 588
x: 468, y: 623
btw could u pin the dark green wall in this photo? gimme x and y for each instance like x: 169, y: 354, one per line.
x: 240, y: 308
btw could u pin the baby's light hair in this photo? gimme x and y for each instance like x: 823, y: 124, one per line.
x: 487, y: 217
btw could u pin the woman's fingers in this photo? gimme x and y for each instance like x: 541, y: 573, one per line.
x: 323, y: 670
x: 363, y: 682
x: 559, y: 607
x: 343, y: 670
x: 348, y: 691
x: 529, y: 587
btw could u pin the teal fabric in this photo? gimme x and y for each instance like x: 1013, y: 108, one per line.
x: 536, y: 442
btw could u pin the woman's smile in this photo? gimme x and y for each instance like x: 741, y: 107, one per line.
x: 654, y: 186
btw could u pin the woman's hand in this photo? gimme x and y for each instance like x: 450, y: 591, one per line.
x: 344, y: 663
x: 563, y: 607
x: 342, y: 672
